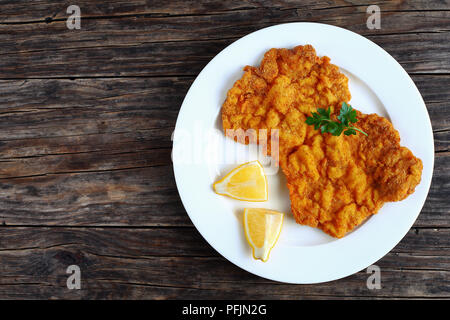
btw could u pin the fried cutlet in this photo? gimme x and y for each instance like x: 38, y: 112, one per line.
x: 335, y: 182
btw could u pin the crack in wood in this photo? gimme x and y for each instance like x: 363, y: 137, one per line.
x: 80, y: 172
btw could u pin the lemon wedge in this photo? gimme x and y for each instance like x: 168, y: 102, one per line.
x: 246, y: 183
x: 262, y: 229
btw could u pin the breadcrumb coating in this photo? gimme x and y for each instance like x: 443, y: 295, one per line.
x: 335, y: 182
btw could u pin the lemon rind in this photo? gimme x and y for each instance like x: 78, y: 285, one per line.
x: 251, y: 242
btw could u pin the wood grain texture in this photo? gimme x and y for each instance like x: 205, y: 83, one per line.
x: 22, y: 11
x: 149, y: 45
x: 86, y: 118
x: 155, y: 263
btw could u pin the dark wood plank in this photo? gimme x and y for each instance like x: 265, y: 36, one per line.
x: 132, y: 197
x: 25, y: 11
x: 437, y: 207
x: 442, y: 141
x: 153, y: 263
x: 31, y: 107
x: 52, y: 109
x: 99, y: 150
x: 142, y: 197
x: 436, y: 99
x: 41, y: 109
x: 113, y: 142
x: 156, y: 46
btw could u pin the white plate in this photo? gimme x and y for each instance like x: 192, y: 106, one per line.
x: 303, y: 254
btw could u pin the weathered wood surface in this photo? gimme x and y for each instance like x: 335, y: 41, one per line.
x: 160, y: 46
x: 98, y: 144
x: 176, y: 263
x: 86, y: 118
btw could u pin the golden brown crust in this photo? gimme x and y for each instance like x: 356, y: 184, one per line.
x: 334, y: 182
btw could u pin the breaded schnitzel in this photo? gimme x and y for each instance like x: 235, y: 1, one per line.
x: 335, y: 182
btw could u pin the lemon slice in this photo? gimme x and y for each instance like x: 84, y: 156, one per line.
x: 262, y: 229
x: 246, y: 182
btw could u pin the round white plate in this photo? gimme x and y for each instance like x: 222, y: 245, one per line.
x: 201, y: 155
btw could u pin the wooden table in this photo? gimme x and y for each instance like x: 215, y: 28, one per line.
x: 86, y: 118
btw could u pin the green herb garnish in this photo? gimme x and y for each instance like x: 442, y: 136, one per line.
x: 321, y: 119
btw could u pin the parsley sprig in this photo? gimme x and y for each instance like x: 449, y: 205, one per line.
x: 321, y: 119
